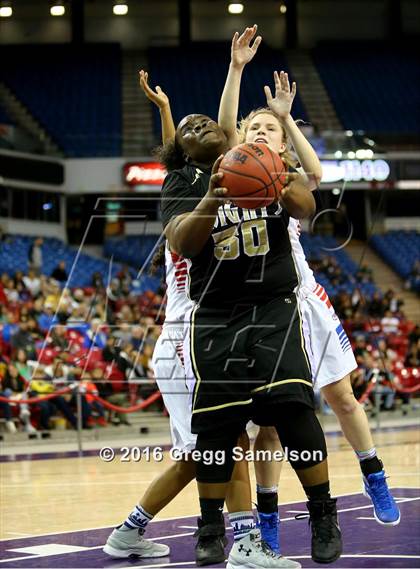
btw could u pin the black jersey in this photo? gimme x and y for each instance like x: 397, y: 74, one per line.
x: 247, y: 259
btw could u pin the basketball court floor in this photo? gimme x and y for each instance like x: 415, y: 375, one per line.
x: 57, y: 510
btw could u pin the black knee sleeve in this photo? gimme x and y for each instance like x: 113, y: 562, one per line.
x: 301, y: 435
x: 214, y: 455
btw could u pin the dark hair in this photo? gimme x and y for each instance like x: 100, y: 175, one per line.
x: 158, y: 259
x: 171, y: 155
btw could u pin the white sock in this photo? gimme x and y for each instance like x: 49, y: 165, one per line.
x: 138, y: 518
x: 242, y: 524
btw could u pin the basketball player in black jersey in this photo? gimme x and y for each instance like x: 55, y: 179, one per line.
x: 242, y: 279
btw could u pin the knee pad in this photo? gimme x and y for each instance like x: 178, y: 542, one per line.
x: 214, y: 456
x: 301, y: 436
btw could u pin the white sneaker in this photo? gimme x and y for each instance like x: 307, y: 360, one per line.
x: 250, y: 552
x: 29, y: 428
x: 124, y: 542
x: 10, y: 427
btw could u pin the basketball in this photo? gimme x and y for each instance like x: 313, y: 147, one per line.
x: 252, y: 173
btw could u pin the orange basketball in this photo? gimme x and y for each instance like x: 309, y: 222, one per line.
x: 252, y: 173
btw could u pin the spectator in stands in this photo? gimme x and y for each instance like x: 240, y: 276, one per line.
x: 390, y: 323
x: 413, y: 355
x: 23, y: 339
x: 137, y: 336
x: 22, y: 365
x: 60, y: 273
x: 94, y: 335
x: 35, y: 256
x: 11, y: 292
x: 391, y: 301
x: 384, y: 352
x: 97, y: 281
x: 360, y: 349
x: 364, y: 274
x: 414, y: 335
x: 90, y: 405
x: 413, y: 281
x: 33, y: 283
x: 47, y: 318
x: 40, y: 385
x: 106, y: 391
x: 58, y: 337
x: 376, y: 306
x: 16, y: 387
x: 124, y: 277
x: 384, y: 388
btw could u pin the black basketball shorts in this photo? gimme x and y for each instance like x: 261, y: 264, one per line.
x: 242, y: 362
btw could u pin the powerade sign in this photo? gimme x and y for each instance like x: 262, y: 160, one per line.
x: 144, y: 173
x: 355, y: 171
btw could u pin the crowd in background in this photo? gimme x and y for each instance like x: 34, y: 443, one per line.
x: 102, y: 338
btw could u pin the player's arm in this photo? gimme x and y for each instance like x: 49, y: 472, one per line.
x: 241, y: 53
x: 296, y: 197
x: 161, y: 100
x: 188, y: 232
x: 281, y: 105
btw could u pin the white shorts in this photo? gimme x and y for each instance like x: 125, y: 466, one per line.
x: 167, y: 362
x: 329, y: 349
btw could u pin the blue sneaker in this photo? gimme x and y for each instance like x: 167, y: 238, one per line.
x: 385, y: 509
x: 269, y: 524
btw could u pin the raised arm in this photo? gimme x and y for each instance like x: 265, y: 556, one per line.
x: 241, y: 53
x: 281, y: 105
x: 161, y: 100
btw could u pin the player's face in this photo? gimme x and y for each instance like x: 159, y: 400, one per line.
x: 201, y: 138
x: 265, y: 128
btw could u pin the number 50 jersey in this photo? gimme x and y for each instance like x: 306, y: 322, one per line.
x: 247, y: 259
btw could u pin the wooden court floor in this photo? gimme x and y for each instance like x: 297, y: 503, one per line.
x: 67, y: 494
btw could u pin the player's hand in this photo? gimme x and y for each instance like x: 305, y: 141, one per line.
x: 216, y: 192
x: 158, y: 97
x: 242, y: 51
x: 281, y: 103
x: 287, y: 178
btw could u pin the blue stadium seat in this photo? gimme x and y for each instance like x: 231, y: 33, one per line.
x: 81, y: 107
x: 399, y: 249
x: 373, y: 87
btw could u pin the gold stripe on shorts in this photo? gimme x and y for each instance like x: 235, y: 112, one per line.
x: 269, y: 385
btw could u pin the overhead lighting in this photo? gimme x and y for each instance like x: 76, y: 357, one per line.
x: 351, y: 155
x: 120, y: 9
x: 336, y: 191
x: 338, y: 154
x: 57, y: 9
x: 349, y: 133
x: 236, y: 8
x: 283, y: 8
x: 5, y: 10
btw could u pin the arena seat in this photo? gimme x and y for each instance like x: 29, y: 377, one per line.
x: 203, y: 96
x: 80, y: 107
x: 318, y: 247
x: 399, y: 249
x: 357, y: 78
x: 14, y: 257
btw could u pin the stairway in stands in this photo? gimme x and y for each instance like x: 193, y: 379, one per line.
x: 138, y: 137
x: 312, y: 91
x: 23, y: 118
x: 385, y: 277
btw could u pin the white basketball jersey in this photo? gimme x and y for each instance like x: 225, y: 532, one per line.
x: 306, y: 275
x: 177, y: 287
